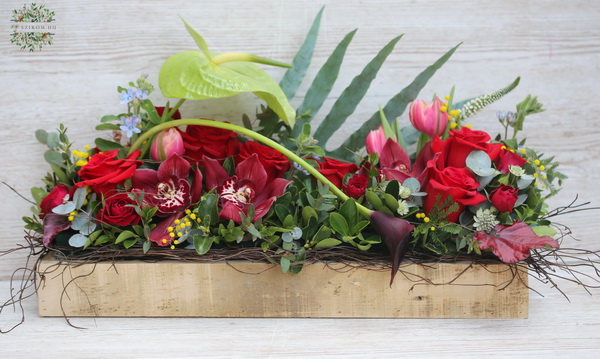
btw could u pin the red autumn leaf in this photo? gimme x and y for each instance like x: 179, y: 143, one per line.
x: 512, y: 243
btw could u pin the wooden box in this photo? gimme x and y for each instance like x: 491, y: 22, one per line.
x: 250, y: 289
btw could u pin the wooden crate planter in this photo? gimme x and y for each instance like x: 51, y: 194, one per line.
x: 250, y: 289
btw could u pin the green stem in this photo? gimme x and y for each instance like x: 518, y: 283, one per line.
x: 257, y: 136
x: 242, y: 56
x: 174, y: 109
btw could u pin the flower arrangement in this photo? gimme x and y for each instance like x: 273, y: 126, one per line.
x: 156, y: 181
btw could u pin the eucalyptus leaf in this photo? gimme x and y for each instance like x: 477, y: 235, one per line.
x: 413, y: 184
x: 52, y: 140
x: 524, y: 181
x: 78, y: 240
x: 287, y: 237
x: 79, y: 197
x: 521, y: 199
x: 42, y: 136
x: 480, y: 163
x: 285, y: 264
x: 64, y: 208
x: 54, y: 158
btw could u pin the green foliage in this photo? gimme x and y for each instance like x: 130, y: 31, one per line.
x: 196, y: 75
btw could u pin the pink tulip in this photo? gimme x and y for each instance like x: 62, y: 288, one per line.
x: 375, y: 141
x: 167, y: 143
x: 428, y: 118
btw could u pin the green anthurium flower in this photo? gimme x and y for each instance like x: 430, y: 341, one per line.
x: 196, y: 75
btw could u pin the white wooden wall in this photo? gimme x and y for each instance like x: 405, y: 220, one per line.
x: 553, y: 45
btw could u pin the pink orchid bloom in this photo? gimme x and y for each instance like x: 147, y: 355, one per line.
x: 428, y: 118
x: 168, y: 188
x: 249, y: 186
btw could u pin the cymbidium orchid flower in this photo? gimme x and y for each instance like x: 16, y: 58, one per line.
x: 249, y: 186
x: 168, y: 188
x: 394, y: 162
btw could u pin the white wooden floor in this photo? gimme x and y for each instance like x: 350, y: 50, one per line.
x: 555, y: 328
x: 553, y: 45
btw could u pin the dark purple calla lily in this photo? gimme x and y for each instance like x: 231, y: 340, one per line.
x: 395, y: 233
x: 249, y: 186
x: 168, y: 188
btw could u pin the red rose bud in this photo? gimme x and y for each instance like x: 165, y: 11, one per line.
x: 356, y: 187
x: 54, y: 198
x: 504, y: 198
x: 507, y: 158
x: 395, y: 233
x: 166, y: 144
x: 428, y: 118
x: 118, y: 210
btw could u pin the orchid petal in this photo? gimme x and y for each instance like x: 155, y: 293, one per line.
x: 197, y: 186
x: 145, y: 179
x: 393, y: 155
x: 214, y: 173
x: 274, y: 188
x: 253, y: 170
x: 161, y: 231
x: 231, y: 211
x: 53, y: 225
x: 174, y: 167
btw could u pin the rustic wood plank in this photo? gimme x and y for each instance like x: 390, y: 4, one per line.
x: 247, y: 289
x: 556, y: 328
x: 102, y: 45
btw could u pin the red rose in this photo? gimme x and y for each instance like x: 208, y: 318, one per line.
x: 356, y: 187
x: 335, y: 170
x: 504, y: 198
x: 211, y: 142
x: 161, y: 109
x: 506, y: 159
x: 274, y: 162
x: 451, y: 181
x: 54, y: 198
x: 458, y: 146
x: 104, y: 171
x: 118, y: 211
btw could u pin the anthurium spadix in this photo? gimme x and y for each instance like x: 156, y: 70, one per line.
x: 201, y: 74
